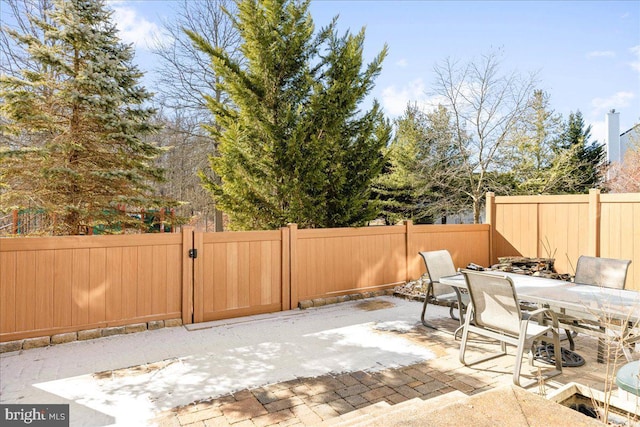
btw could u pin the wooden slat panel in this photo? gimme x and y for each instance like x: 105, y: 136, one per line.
x: 232, y: 276
x: 219, y: 277
x: 43, y: 303
x: 88, y: 242
x: 8, y: 281
x: 80, y: 309
x: 63, y: 288
x: 25, y: 291
x: 211, y: 267
x: 113, y: 299
x: 103, y: 281
x: 159, y: 283
x: 97, y: 285
x: 130, y: 282
x: 244, y: 266
x: 174, y: 278
x: 145, y: 282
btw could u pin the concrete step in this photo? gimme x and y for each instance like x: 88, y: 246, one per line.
x: 364, y: 417
x: 353, y: 415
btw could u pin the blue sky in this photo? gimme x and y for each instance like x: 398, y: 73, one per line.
x: 586, y: 53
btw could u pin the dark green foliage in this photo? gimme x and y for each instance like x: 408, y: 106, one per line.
x: 294, y: 146
x: 73, y: 127
x: 580, y: 162
x: 422, y: 181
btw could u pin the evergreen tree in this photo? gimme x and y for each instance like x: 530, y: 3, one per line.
x: 422, y: 180
x: 533, y: 147
x: 396, y: 188
x: 74, y: 123
x: 579, y: 164
x: 293, y: 145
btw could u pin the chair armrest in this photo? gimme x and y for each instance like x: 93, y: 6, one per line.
x: 540, y: 311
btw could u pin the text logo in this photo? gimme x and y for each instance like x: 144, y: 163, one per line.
x: 35, y: 415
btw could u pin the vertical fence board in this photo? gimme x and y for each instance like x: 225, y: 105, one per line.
x: 8, y: 282
x: 113, y: 288
x: 80, y: 311
x: 130, y: 276
x: 97, y: 285
x: 43, y: 302
x: 62, y: 292
x: 26, y: 292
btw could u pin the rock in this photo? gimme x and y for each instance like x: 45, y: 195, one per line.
x: 8, y: 346
x: 36, y: 342
x: 319, y: 302
x: 115, y: 330
x: 89, y: 334
x: 172, y: 322
x: 305, y: 304
x: 155, y: 324
x: 136, y: 327
x: 63, y: 338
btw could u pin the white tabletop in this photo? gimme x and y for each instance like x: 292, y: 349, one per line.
x: 593, y: 301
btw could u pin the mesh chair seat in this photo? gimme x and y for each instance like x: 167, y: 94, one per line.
x: 495, y: 313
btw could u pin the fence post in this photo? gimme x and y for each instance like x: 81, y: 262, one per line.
x: 293, y: 264
x: 286, y: 268
x: 187, y: 275
x: 14, y: 216
x: 198, y: 277
x: 491, y: 220
x: 593, y: 246
x: 408, y: 245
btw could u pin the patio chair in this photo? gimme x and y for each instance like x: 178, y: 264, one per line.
x: 439, y: 264
x: 596, y: 271
x: 606, y: 272
x: 494, y: 312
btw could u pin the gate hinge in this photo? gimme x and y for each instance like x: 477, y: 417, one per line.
x: 193, y: 253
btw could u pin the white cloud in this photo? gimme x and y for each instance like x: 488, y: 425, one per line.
x: 134, y: 28
x: 402, y: 63
x: 598, y: 131
x: 636, y: 63
x: 617, y: 100
x: 601, y: 54
x: 395, y: 100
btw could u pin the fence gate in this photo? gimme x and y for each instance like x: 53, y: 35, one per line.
x: 238, y: 274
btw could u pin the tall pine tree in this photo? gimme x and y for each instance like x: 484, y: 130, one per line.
x: 294, y: 146
x: 74, y: 123
x: 579, y: 163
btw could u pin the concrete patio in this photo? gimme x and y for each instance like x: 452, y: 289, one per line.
x: 301, y: 367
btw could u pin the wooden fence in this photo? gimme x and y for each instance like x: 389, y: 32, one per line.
x: 565, y: 227
x: 53, y: 285
x: 339, y: 261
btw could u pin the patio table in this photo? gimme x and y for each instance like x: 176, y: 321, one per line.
x: 596, y: 309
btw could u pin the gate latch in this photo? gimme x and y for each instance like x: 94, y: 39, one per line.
x: 193, y: 253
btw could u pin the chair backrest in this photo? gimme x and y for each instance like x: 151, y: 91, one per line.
x: 495, y: 303
x: 606, y: 272
x: 438, y: 264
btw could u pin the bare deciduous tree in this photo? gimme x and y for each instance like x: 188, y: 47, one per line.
x: 15, y: 19
x: 185, y: 76
x: 486, y: 106
x: 625, y: 176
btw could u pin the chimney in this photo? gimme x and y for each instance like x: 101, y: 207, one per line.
x: 613, y: 136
